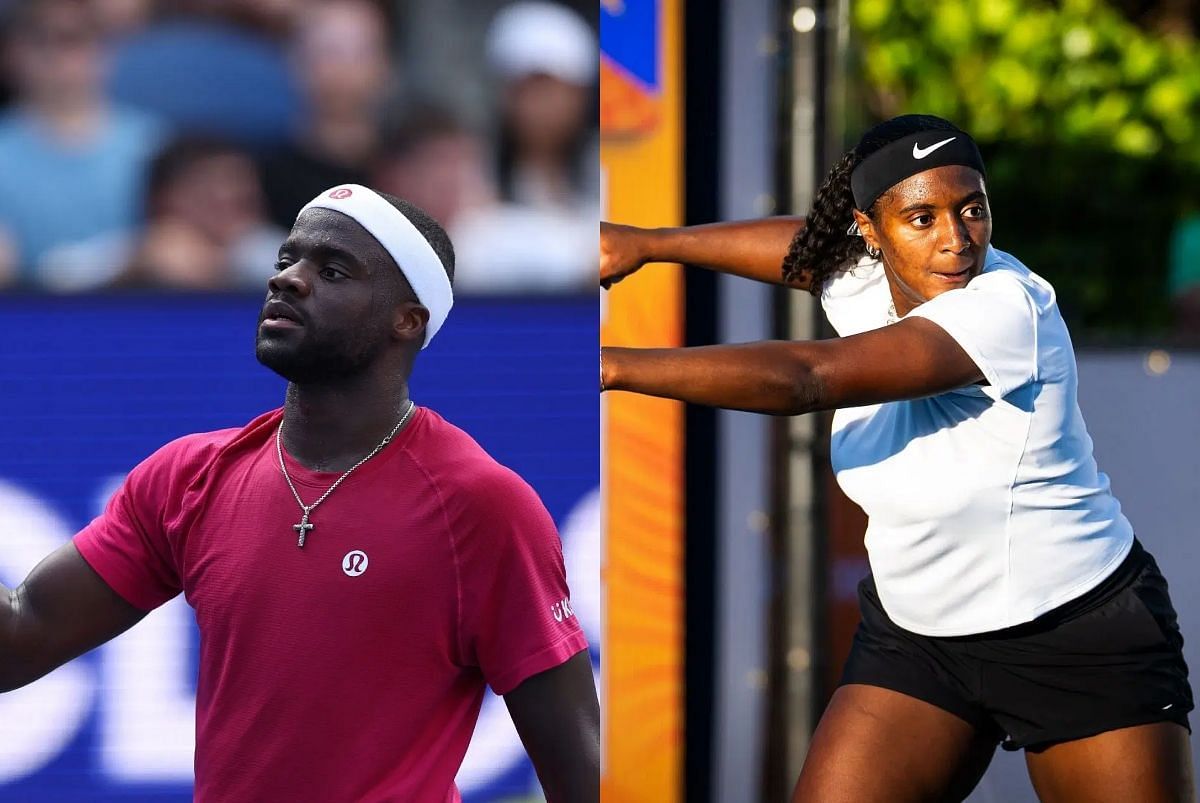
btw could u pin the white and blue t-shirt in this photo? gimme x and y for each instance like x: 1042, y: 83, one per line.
x: 985, y: 505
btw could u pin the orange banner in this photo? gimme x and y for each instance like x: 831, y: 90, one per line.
x: 642, y: 156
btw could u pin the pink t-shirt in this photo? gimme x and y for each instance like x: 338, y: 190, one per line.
x: 354, y: 668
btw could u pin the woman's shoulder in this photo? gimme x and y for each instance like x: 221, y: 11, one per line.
x: 1004, y: 274
x: 856, y: 298
x: 853, y: 279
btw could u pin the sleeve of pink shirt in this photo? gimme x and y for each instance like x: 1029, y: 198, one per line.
x: 516, y: 618
x: 126, y: 545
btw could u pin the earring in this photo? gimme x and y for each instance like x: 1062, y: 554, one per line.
x: 853, y: 231
x: 873, y: 253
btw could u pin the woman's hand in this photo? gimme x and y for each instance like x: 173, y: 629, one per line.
x: 622, y: 252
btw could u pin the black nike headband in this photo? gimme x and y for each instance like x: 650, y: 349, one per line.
x: 907, y: 156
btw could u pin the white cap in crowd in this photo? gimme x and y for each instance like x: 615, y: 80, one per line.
x: 529, y: 38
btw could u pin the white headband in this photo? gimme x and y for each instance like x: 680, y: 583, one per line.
x: 400, y: 238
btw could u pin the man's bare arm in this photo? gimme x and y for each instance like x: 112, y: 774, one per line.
x: 557, y: 716
x: 62, y: 610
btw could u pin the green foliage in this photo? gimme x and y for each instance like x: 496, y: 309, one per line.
x: 1097, y: 225
x: 1071, y: 73
x: 1090, y: 127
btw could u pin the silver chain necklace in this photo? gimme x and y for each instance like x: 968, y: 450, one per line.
x: 304, y: 526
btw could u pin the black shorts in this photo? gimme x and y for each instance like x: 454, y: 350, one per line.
x: 1110, y: 659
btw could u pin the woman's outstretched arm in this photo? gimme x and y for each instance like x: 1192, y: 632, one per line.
x: 908, y: 360
x: 753, y: 249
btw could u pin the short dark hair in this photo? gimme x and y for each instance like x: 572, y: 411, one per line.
x: 430, y: 229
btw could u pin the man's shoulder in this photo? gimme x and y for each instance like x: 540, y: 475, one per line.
x: 193, y: 453
x: 196, y: 445
x: 460, y: 467
x: 484, y: 503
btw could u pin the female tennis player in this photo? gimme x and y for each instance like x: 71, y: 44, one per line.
x: 1009, y: 602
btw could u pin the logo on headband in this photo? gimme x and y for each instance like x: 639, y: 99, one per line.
x: 921, y: 153
x: 341, y: 193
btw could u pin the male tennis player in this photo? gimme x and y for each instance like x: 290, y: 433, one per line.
x: 360, y: 568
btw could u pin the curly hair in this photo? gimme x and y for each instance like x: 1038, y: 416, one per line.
x: 821, y: 247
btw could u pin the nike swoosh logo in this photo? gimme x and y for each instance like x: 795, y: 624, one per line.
x: 921, y: 153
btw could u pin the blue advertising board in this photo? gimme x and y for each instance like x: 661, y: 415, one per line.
x: 629, y: 36
x: 89, y: 386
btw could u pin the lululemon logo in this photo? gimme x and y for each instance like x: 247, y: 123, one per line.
x: 355, y: 563
x: 340, y: 193
x: 562, y: 610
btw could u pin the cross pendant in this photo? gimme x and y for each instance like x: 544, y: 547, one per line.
x: 303, y: 527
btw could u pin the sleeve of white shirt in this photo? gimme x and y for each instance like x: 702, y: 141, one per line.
x: 995, y: 322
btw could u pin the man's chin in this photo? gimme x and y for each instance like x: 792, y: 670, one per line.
x: 310, y: 365
x: 282, y: 359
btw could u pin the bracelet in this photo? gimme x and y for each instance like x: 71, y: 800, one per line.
x: 602, y: 370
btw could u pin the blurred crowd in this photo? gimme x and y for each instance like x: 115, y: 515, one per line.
x: 171, y: 143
